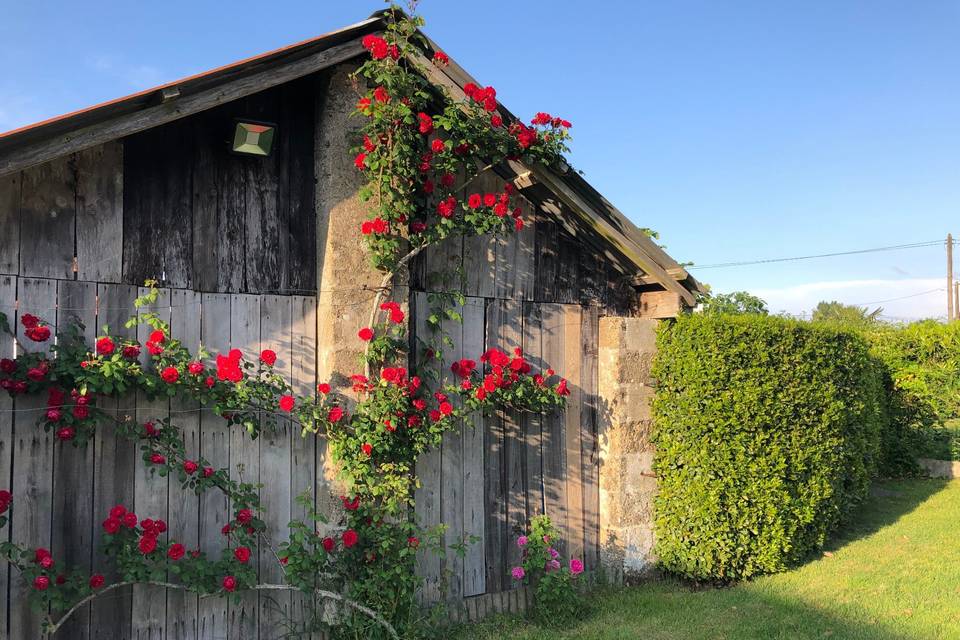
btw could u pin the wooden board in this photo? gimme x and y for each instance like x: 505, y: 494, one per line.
x: 183, y: 507
x: 110, y: 618
x: 151, y: 490
x: 552, y: 424
x: 496, y: 536
x: 48, y: 219
x: 8, y: 298
x: 590, y: 457
x: 10, y: 223
x: 33, y: 453
x: 215, y: 447
x: 244, y: 451
x: 73, y: 478
x: 532, y: 423
x: 451, y: 473
x: 514, y: 447
x: 472, y: 471
x: 100, y: 213
x: 571, y: 426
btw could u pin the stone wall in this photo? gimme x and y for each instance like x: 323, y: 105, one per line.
x: 627, y: 483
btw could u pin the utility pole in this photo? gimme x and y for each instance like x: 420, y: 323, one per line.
x: 956, y: 300
x: 950, y: 287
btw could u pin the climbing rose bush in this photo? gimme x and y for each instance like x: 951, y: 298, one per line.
x: 556, y: 600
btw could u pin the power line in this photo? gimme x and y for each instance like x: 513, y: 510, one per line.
x: 915, y: 245
x: 912, y: 295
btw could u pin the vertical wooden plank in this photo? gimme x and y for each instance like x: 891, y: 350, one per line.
x: 267, y: 247
x: 100, y: 213
x: 552, y: 423
x: 474, y: 525
x: 451, y: 472
x: 427, y: 497
x: 532, y: 423
x: 8, y: 305
x: 184, y: 505
x: 111, y: 618
x: 299, y: 101
x: 205, y: 196
x: 304, y: 448
x: 231, y: 228
x: 525, y: 258
x: 545, y: 289
x: 480, y: 253
x: 74, y: 472
x: 571, y: 426
x: 511, y: 334
x: 215, y: 447
x: 150, y: 489
x: 33, y: 454
x: 495, y: 494
x: 589, y: 335
x: 244, y: 451
x: 568, y: 264
x: 10, y: 223
x: 48, y: 199
x: 276, y: 321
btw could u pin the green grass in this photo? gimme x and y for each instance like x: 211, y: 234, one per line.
x: 893, y: 575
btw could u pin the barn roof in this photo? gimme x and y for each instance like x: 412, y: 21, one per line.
x: 62, y: 135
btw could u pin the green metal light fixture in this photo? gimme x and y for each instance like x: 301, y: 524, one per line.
x: 252, y: 138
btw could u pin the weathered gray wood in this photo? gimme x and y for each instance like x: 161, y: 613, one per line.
x: 304, y: 471
x: 47, y: 219
x: 73, y: 478
x: 570, y: 367
x: 215, y: 447
x: 495, y: 496
x: 568, y: 283
x: 8, y: 300
x: 451, y: 465
x: 552, y: 423
x: 231, y: 227
x: 150, y: 489
x: 590, y: 328
x: 110, y: 619
x: 427, y: 497
x: 474, y: 525
x: 267, y: 249
x: 480, y: 252
x: 276, y: 333
x: 299, y: 102
x: 33, y: 453
x: 100, y: 213
x: 244, y: 451
x: 515, y: 450
x: 525, y: 262
x: 183, y: 506
x: 154, y: 116
x: 533, y: 423
x: 547, y: 258
x: 10, y: 223
x: 206, y: 197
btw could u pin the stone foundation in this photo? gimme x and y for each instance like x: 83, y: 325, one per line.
x: 627, y: 483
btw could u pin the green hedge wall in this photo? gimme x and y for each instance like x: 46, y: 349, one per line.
x: 767, y: 433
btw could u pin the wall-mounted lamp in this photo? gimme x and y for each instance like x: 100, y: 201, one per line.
x: 253, y: 138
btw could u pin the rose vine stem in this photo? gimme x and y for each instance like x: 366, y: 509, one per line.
x: 53, y: 627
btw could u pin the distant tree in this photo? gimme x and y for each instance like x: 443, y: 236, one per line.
x: 848, y: 314
x: 737, y: 302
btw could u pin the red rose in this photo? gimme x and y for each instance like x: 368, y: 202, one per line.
x: 157, y: 458
x: 518, y: 224
x: 496, y: 121
x: 447, y: 179
x: 207, y: 472
x: 268, y: 357
x: 426, y: 124
x: 80, y: 412
x: 226, y: 529
x: 96, y: 581
x: 368, y: 144
x: 147, y: 544
x: 360, y: 161
x: 190, y: 467
x: 131, y: 351
x: 130, y: 520
x: 170, y: 375
x: 244, y: 516
x: 61, y: 579
x: 287, y: 403
x: 40, y: 553
x: 209, y: 382
x: 363, y: 104
x: 328, y: 544
x: 6, y: 498
x: 445, y: 208
x: 413, y: 541
x: 230, y: 583
x: 446, y: 408
x: 29, y: 321
x: 7, y: 365
x: 417, y: 226
x: 36, y: 374
x: 46, y: 562
x: 154, y: 348
x: 349, y: 538
x: 66, y: 433
x: 118, y: 511
x: 323, y: 388
x: 350, y: 505
x: 367, y: 448
x: 53, y: 415
x: 380, y: 95
x: 336, y: 413
x: 365, y: 334
x: 176, y: 551
x: 437, y: 145
x: 562, y: 388
x: 474, y: 201
x: 439, y: 57
x: 40, y: 583
x: 435, y: 415
x: 105, y: 346
x: 195, y: 368
x: 159, y: 337
x: 39, y: 334
x: 242, y: 554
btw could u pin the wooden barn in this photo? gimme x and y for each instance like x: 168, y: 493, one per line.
x: 260, y: 252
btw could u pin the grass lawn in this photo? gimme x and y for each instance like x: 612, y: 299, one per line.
x: 893, y: 575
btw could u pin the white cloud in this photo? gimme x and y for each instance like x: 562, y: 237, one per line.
x: 927, y: 297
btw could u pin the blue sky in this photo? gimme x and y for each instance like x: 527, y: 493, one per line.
x: 738, y: 130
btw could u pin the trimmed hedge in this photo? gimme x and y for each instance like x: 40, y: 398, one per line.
x: 767, y: 434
